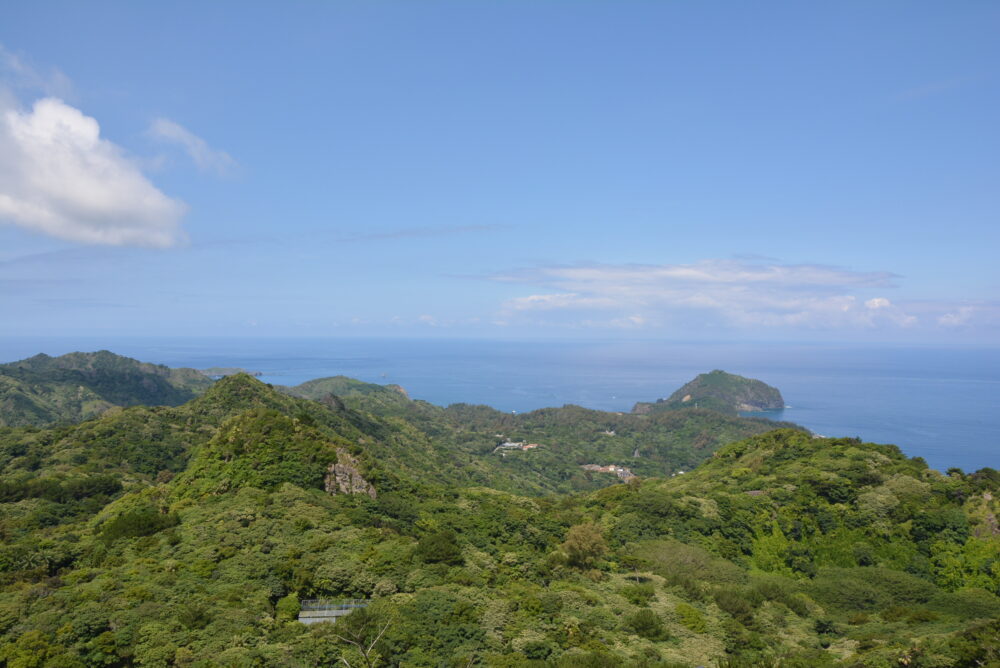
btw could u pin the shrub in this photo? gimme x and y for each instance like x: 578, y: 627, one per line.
x: 584, y: 545
x: 921, y: 615
x: 672, y: 559
x: 589, y: 660
x: 863, y: 553
x: 895, y: 614
x: 439, y: 548
x: 194, y: 616
x: 945, y: 524
x: 551, y: 602
x: 772, y: 588
x: 537, y: 650
x: 645, y: 623
x: 143, y: 522
x: 978, y: 645
x: 782, y: 590
x: 853, y: 589
x: 968, y: 604
x: 691, y: 618
x: 365, y: 627
x: 691, y: 588
x: 287, y: 607
x: 798, y: 603
x: 740, y: 603
x: 825, y: 627
x: 639, y: 594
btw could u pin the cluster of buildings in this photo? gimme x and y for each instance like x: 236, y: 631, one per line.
x: 620, y: 471
x: 518, y: 445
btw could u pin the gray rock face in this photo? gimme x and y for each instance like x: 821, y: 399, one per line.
x: 343, y: 477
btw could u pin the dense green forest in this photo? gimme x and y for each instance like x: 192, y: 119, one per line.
x: 567, y: 438
x: 189, y: 535
x: 45, y: 390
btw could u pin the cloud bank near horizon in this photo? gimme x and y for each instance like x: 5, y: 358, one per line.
x: 729, y: 294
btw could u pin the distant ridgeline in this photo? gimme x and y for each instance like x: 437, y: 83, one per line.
x: 559, y: 449
x: 46, y: 390
x: 568, y: 448
x: 719, y: 391
x: 217, y: 372
x: 201, y: 534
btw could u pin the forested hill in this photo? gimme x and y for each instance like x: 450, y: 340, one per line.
x: 190, y: 535
x: 783, y: 549
x: 556, y: 442
x: 144, y: 443
x: 46, y: 390
x: 720, y: 391
x: 458, y: 444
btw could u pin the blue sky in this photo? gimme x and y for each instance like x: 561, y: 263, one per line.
x: 669, y: 170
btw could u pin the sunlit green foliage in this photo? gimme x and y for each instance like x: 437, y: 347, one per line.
x: 653, y: 445
x: 188, y: 536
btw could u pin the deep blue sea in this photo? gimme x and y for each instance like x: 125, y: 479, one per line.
x: 940, y: 403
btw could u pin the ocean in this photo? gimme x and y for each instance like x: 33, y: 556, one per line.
x: 940, y: 403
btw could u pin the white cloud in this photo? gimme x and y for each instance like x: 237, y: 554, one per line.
x: 710, y: 293
x: 15, y: 72
x: 886, y: 309
x: 558, y: 301
x: 877, y: 303
x: 59, y: 177
x: 203, y: 155
x: 960, y: 317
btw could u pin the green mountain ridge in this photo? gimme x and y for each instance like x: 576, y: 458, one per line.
x: 567, y: 437
x: 44, y: 390
x: 457, y: 439
x: 189, y: 535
